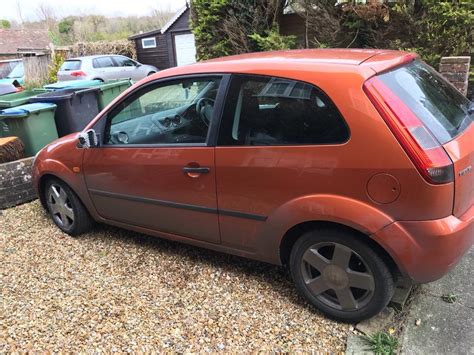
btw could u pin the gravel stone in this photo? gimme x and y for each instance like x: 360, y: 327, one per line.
x: 116, y: 290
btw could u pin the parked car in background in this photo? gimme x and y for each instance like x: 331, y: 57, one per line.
x: 349, y: 166
x: 17, y: 73
x: 6, y: 66
x: 104, y: 68
x: 6, y: 88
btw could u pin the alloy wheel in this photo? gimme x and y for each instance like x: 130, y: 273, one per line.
x: 60, y: 206
x: 337, y: 276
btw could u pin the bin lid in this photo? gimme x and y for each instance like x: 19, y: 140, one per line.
x: 55, y: 95
x: 114, y: 83
x: 25, y: 110
x: 70, y: 84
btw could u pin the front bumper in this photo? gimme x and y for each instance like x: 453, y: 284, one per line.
x: 427, y: 250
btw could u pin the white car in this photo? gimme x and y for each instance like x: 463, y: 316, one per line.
x: 104, y: 68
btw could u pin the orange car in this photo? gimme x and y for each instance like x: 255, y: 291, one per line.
x: 350, y: 166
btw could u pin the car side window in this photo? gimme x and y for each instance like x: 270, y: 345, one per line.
x: 176, y: 112
x: 264, y: 110
x: 124, y: 62
x: 103, y: 62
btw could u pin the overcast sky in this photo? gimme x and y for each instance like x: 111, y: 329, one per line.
x: 62, y: 8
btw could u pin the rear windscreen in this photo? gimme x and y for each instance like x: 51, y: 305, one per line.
x: 441, y: 108
x: 71, y: 65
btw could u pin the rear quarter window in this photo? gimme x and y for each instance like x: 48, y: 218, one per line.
x: 71, y: 65
x: 441, y: 108
x: 262, y: 111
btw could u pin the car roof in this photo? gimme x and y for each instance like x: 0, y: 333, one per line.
x: 95, y: 56
x: 366, y: 62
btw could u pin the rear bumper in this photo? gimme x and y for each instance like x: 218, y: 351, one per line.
x: 427, y: 250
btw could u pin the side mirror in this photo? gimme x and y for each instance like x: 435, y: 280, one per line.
x: 87, y: 139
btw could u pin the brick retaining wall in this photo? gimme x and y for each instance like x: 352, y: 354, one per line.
x: 15, y: 183
x: 456, y: 70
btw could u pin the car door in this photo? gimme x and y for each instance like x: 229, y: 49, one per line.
x: 127, y: 68
x: 155, y: 166
x: 279, y: 140
x: 104, y: 68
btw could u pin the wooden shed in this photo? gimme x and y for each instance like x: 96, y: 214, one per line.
x: 170, y: 46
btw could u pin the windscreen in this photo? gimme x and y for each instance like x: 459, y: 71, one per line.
x: 441, y: 108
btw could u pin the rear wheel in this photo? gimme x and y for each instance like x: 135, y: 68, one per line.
x: 341, y: 275
x: 65, y: 208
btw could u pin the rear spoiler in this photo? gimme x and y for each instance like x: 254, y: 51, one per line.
x: 385, y: 61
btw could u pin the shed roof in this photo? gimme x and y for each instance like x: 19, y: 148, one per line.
x: 12, y: 40
x: 165, y: 28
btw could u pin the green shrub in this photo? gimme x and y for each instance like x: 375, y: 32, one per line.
x: 273, y: 40
x: 432, y: 28
x: 5, y: 24
x: 57, y: 61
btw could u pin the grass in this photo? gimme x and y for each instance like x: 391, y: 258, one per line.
x: 449, y: 297
x: 382, y: 343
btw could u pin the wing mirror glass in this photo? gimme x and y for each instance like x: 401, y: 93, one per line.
x: 87, y: 139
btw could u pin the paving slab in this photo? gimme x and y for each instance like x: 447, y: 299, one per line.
x: 444, y: 328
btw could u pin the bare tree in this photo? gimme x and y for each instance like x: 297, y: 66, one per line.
x: 160, y: 16
x: 19, y: 12
x: 320, y: 18
x: 46, y: 15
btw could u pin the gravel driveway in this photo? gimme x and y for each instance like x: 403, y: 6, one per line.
x: 118, y: 290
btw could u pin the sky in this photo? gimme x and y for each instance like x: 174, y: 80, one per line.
x: 63, y: 8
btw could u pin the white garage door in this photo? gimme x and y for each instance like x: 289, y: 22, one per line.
x: 185, y: 49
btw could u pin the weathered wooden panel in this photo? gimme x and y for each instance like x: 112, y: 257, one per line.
x: 154, y: 56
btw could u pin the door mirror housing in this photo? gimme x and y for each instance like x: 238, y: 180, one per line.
x: 87, y: 139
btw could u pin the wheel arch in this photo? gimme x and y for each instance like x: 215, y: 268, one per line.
x: 42, y: 184
x: 43, y: 179
x: 294, y: 233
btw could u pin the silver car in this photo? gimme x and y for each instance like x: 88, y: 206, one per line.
x: 104, y: 67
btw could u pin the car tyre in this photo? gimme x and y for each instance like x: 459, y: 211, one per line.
x: 341, y: 275
x: 65, y: 208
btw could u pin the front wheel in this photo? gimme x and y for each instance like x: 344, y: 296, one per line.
x: 341, y: 275
x: 65, y: 208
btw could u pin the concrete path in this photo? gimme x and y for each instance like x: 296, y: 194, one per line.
x: 445, y: 328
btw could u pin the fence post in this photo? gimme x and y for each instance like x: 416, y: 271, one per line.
x: 456, y: 70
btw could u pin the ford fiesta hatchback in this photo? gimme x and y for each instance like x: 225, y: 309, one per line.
x: 352, y: 167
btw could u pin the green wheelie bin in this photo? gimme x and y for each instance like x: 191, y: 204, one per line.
x: 18, y: 98
x: 32, y: 123
x: 109, y: 91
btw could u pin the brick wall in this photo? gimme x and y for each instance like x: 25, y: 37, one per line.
x: 456, y: 70
x: 15, y: 183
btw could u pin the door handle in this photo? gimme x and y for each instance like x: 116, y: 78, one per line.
x: 195, y: 170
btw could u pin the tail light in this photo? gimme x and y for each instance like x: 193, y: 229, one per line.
x: 78, y: 73
x: 424, y: 150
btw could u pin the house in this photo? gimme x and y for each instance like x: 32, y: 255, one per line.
x: 15, y: 43
x: 172, y: 45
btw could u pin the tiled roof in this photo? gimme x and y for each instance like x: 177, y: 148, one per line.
x: 11, y: 40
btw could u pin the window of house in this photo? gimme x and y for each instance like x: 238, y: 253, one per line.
x: 149, y: 42
x: 273, y: 111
